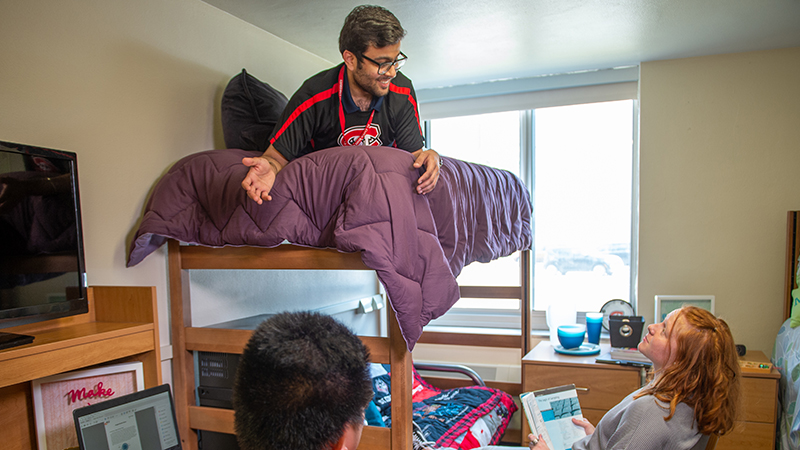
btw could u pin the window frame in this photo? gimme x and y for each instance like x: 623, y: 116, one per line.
x: 525, y: 96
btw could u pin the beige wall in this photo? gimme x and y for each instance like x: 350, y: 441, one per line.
x: 131, y: 86
x: 720, y: 166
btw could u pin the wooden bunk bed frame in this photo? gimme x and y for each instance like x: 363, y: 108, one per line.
x: 390, y: 350
x: 187, y: 339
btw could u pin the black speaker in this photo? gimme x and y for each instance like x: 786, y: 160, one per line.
x: 625, y: 331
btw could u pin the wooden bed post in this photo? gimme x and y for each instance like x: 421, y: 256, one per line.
x: 402, y: 380
x: 186, y: 339
x: 525, y: 299
x: 182, y: 359
x: 792, y: 252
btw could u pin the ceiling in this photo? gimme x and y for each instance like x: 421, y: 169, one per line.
x: 454, y: 42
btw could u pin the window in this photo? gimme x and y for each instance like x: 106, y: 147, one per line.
x: 578, y: 159
x: 494, y: 140
x: 583, y: 166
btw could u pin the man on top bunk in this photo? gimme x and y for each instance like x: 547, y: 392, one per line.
x: 363, y: 101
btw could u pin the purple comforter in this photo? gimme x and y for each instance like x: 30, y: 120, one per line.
x: 353, y: 199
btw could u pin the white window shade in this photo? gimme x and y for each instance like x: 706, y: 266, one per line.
x: 529, y: 93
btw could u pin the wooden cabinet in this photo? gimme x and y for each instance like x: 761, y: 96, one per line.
x: 121, y: 326
x: 757, y: 426
x: 601, y: 386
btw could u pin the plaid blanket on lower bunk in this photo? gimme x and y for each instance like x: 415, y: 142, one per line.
x: 461, y: 418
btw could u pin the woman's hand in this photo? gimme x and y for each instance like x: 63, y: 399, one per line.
x: 537, y: 443
x: 585, y: 424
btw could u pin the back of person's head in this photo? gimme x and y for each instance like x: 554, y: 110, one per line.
x: 369, y: 25
x: 302, y: 379
x: 704, y: 372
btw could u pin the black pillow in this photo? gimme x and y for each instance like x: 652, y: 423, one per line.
x: 250, y: 110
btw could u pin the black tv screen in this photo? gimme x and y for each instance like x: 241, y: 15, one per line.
x: 42, y: 268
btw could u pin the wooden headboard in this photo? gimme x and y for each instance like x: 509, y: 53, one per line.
x: 792, y: 253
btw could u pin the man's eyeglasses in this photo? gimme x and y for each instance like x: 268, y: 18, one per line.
x: 384, y: 67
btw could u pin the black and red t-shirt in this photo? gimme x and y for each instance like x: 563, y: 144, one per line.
x: 316, y: 117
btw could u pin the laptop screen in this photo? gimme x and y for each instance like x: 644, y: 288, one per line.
x: 143, y: 420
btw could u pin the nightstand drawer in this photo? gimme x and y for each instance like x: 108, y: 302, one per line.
x: 749, y: 435
x: 759, y: 399
x: 606, y: 386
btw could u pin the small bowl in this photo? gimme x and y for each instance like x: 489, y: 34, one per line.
x: 571, y: 336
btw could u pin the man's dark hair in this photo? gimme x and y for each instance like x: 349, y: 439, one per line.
x: 302, y: 377
x: 369, y: 25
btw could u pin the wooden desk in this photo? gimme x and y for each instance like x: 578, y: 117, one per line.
x: 121, y: 326
x: 601, y: 386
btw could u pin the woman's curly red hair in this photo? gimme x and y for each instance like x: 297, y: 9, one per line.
x: 704, y: 372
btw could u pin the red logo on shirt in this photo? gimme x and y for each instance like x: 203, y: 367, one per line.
x: 352, y: 134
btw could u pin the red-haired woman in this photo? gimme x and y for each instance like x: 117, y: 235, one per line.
x: 694, y: 391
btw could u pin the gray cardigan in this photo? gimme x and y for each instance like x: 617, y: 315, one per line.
x: 639, y: 424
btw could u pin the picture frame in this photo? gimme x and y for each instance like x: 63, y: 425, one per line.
x: 55, y: 397
x: 668, y: 303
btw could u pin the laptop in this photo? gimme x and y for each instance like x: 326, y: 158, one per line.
x: 144, y: 420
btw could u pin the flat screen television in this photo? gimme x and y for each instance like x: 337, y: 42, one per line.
x: 42, y: 266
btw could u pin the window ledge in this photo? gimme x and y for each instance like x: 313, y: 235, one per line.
x: 472, y: 330
x: 543, y: 334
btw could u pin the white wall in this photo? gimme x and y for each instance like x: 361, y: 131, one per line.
x: 131, y: 87
x: 720, y: 164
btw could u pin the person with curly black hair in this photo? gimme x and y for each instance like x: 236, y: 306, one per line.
x: 302, y: 383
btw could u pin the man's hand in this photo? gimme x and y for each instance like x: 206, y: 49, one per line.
x: 259, y: 179
x: 432, y: 161
x: 262, y: 173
